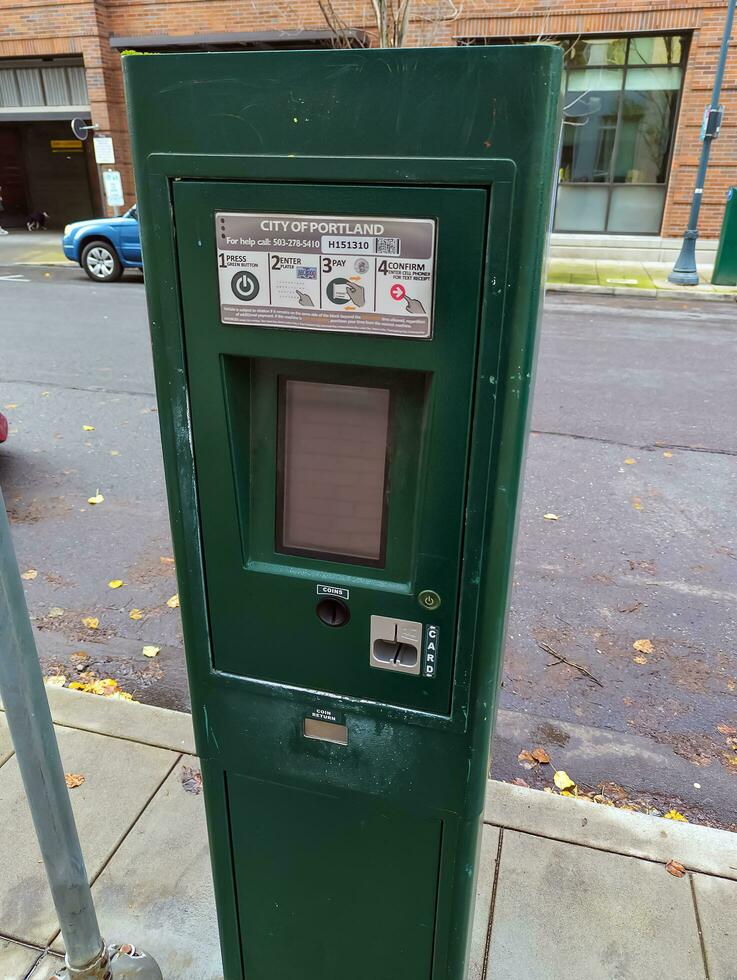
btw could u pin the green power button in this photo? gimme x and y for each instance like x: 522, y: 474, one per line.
x: 428, y: 599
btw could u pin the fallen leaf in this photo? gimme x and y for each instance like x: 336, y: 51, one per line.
x: 135, y: 614
x: 551, y: 517
x: 91, y: 622
x: 541, y: 756
x: 643, y: 646
x: 45, y: 394
x: 115, y: 583
x: 675, y: 868
x: 527, y: 760
x: 173, y: 603
x: 563, y: 781
x: 88, y: 428
x: 675, y: 815
x: 166, y: 561
x: 668, y: 455
x: 55, y: 612
x: 151, y: 651
x: 12, y: 405
x: 191, y: 780
x: 106, y: 688
x: 30, y: 575
x: 97, y: 499
x: 727, y: 729
x: 73, y: 779
x: 637, y: 503
x: 519, y: 781
x: 114, y: 452
x: 639, y: 660
x: 630, y: 462
x: 55, y: 680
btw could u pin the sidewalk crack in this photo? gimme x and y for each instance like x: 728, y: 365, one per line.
x: 700, y: 931
x: 492, y: 904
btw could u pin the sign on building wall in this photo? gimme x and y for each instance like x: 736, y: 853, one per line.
x: 65, y: 146
x: 113, y: 188
x: 104, y: 151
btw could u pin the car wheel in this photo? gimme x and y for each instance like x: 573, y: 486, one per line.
x: 100, y: 262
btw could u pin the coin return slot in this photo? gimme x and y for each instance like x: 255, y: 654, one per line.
x: 326, y: 731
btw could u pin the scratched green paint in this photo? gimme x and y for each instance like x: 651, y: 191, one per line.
x: 332, y: 860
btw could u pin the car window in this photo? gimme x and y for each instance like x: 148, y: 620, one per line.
x: 133, y: 213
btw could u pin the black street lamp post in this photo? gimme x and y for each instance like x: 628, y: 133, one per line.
x: 684, y: 271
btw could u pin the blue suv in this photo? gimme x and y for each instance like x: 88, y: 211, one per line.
x: 104, y: 247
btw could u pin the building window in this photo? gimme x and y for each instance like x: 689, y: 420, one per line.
x: 621, y: 99
x: 36, y: 83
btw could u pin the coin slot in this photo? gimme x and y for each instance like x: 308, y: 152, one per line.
x: 333, y: 612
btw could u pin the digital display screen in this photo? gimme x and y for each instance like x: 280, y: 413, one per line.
x: 333, y: 463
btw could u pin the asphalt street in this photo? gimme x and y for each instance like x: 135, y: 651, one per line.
x: 633, y: 449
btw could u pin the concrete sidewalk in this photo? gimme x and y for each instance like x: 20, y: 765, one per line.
x: 21, y: 247
x: 612, y: 278
x: 566, y: 887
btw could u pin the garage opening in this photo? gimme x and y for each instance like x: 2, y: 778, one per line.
x: 42, y: 167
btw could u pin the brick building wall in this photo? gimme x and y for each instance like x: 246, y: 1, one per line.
x: 56, y: 27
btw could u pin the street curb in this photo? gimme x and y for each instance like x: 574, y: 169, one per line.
x: 606, y: 828
x: 680, y: 294
x: 129, y: 720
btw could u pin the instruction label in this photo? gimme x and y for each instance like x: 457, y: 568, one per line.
x: 322, y: 272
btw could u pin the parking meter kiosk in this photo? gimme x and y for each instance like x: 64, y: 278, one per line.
x: 343, y: 256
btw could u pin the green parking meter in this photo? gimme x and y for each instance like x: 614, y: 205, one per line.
x: 343, y: 255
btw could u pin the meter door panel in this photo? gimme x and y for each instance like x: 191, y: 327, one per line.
x: 332, y: 463
x: 354, y: 883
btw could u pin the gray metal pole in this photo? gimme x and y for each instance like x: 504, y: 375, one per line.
x: 31, y: 728
x: 684, y: 271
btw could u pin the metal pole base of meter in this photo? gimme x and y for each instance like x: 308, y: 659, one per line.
x: 684, y: 271
x: 122, y: 961
x: 37, y: 754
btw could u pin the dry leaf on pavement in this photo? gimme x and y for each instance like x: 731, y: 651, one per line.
x: 73, y: 779
x: 55, y: 680
x: 667, y: 455
x: 88, y: 428
x: 519, y: 781
x: 643, y: 646
x: 151, y: 651
x: 135, y: 614
x: 173, y: 603
x: 115, y: 583
x: 97, y: 499
x: 165, y: 560
x: 629, y: 461
x: 108, y: 687
x: 637, y: 503
x: 541, y: 756
x: 191, y: 780
x: 727, y: 729
x: 551, y: 517
x: 675, y: 815
x: 30, y: 575
x: 675, y: 868
x: 527, y: 760
x: 91, y: 622
x: 563, y: 781
x: 639, y: 660
x: 55, y: 612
